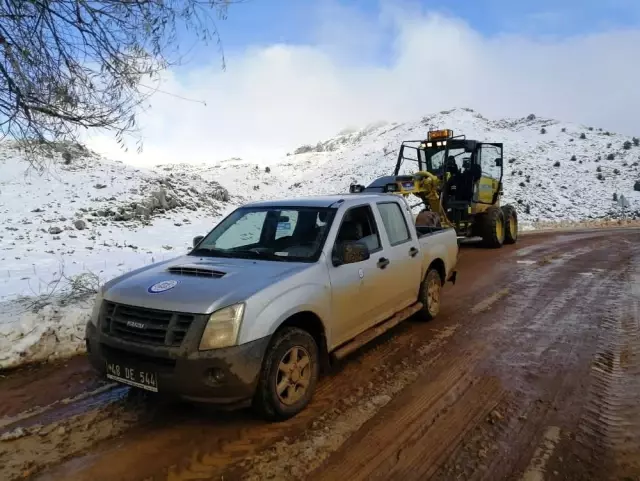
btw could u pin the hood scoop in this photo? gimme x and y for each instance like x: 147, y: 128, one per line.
x: 197, y: 270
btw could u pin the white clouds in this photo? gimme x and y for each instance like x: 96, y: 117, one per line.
x: 274, y: 98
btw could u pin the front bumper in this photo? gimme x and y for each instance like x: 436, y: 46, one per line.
x: 219, y: 376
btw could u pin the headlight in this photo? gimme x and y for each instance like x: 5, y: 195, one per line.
x: 222, y: 328
x: 96, y: 307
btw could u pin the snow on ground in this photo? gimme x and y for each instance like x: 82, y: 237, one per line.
x: 88, y: 219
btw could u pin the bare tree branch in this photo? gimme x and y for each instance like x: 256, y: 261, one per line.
x: 67, y: 65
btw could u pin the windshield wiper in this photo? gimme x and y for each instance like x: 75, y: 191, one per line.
x: 259, y: 255
x: 210, y: 251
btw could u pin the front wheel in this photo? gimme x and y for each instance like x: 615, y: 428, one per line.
x: 430, y: 295
x: 289, y: 375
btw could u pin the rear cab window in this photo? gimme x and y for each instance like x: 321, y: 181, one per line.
x: 359, y: 224
x: 395, y: 223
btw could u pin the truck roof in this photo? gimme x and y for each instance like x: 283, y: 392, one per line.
x: 320, y: 200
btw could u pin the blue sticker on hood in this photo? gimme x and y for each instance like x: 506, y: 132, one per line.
x: 162, y: 287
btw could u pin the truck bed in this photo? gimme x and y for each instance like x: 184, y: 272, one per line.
x: 424, y: 230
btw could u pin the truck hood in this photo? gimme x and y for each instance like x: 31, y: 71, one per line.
x: 198, y: 285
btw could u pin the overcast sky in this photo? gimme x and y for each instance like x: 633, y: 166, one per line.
x: 297, y: 75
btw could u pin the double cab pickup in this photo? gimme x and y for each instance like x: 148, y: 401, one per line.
x: 274, y: 293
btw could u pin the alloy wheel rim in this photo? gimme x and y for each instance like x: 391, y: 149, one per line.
x: 294, y: 373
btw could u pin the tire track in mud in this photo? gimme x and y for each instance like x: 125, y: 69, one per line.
x: 542, y: 355
x: 27, y: 450
x: 64, y: 407
x: 609, y: 429
x: 417, y: 429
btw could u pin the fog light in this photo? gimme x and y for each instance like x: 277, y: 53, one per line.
x: 216, y: 377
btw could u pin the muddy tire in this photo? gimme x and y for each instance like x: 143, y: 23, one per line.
x: 493, y: 228
x: 510, y: 224
x: 289, y: 375
x: 430, y: 291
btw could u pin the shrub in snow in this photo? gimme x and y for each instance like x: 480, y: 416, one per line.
x: 608, y: 146
x: 583, y: 136
x: 573, y: 157
x: 303, y: 150
x: 626, y: 145
x: 600, y: 176
x: 611, y: 156
x: 522, y: 184
x: 557, y: 163
x: 599, y: 169
x: 527, y: 209
x: 267, y: 169
x: 615, y: 197
x: 543, y: 130
x: 531, y: 117
x: 591, y: 129
x: 571, y: 139
x: 616, y: 171
x: 636, y: 186
x: 512, y: 160
x: 636, y: 141
x: 564, y: 129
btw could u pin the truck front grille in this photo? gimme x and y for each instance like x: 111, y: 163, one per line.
x: 148, y: 326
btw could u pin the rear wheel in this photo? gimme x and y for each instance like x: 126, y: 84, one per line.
x: 430, y: 295
x: 289, y: 375
x: 493, y: 227
x: 510, y: 224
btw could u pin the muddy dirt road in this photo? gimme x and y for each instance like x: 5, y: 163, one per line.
x: 531, y: 372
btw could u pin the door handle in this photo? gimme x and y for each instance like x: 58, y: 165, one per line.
x: 383, y: 262
x: 413, y: 252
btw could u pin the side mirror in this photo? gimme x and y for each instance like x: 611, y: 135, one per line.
x: 350, y: 252
x: 197, y: 239
x: 499, y: 162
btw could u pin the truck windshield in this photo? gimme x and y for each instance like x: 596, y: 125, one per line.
x: 293, y: 234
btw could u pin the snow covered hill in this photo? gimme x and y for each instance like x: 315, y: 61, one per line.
x: 87, y: 219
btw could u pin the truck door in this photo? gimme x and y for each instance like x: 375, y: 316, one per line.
x: 358, y: 288
x: 403, y: 273
x: 489, y: 184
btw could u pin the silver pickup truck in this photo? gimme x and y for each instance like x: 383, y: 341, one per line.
x: 276, y: 291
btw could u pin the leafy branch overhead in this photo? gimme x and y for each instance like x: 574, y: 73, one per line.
x: 66, y: 65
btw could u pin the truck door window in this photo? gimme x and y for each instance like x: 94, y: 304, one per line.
x: 394, y: 222
x: 358, y: 224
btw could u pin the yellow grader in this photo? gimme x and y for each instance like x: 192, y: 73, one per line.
x: 459, y: 184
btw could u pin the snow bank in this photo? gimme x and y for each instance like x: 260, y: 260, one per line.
x: 45, y: 334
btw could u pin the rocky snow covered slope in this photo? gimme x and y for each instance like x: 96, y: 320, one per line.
x: 87, y: 219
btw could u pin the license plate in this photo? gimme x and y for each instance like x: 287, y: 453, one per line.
x: 132, y: 376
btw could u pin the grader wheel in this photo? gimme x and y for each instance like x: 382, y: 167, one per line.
x: 493, y: 228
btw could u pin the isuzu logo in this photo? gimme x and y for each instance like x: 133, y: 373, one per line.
x: 137, y: 325
x: 162, y: 286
